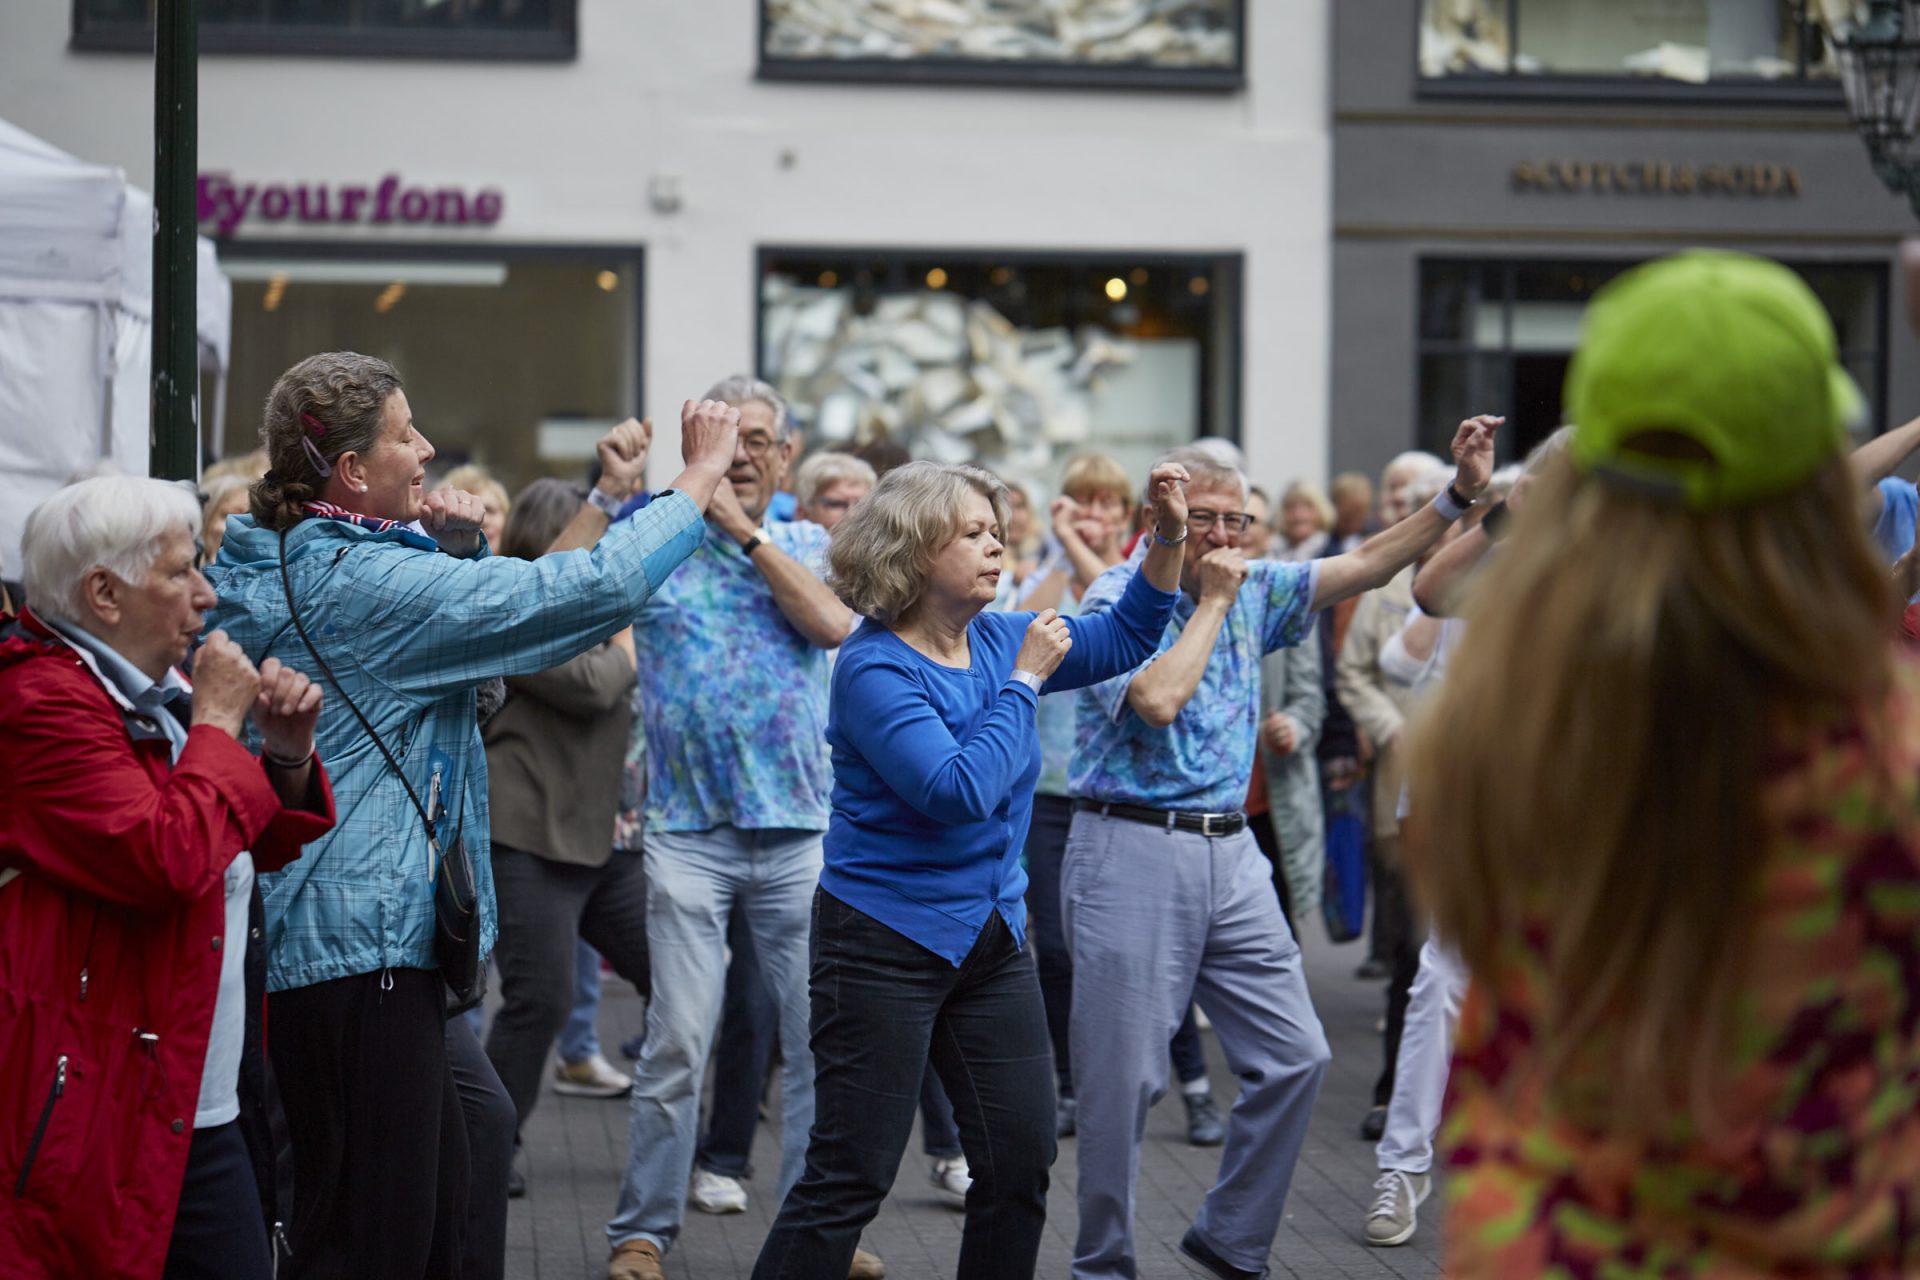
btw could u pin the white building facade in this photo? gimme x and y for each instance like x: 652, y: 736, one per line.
x: 606, y: 209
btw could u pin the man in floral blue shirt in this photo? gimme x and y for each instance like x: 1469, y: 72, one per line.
x: 1166, y: 896
x: 732, y: 655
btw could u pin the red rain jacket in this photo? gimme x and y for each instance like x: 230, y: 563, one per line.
x: 110, y: 946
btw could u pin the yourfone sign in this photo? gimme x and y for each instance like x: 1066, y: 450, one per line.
x: 226, y: 203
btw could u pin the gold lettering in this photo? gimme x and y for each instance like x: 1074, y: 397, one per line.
x: 1793, y: 182
x: 1526, y: 176
x: 1683, y: 180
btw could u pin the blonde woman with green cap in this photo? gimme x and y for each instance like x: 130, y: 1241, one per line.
x: 1668, y: 805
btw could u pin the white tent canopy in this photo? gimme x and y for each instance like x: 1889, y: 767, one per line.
x: 76, y: 324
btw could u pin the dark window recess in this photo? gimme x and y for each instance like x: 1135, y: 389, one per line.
x: 1713, y: 48
x: 1015, y: 360
x: 1497, y: 337
x: 488, y: 29
x: 1189, y: 44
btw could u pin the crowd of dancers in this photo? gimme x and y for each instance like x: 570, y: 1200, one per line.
x: 954, y: 801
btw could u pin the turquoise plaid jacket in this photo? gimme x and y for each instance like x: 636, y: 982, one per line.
x: 410, y: 631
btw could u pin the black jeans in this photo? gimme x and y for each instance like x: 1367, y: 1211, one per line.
x: 379, y: 1144
x: 490, y: 1123
x: 544, y: 907
x: 1406, y: 935
x: 881, y: 1004
x: 218, y: 1233
x: 749, y: 1026
x: 1046, y: 850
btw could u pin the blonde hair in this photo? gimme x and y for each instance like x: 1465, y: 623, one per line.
x: 475, y: 479
x: 823, y: 469
x: 1308, y: 492
x: 245, y: 466
x: 1353, y: 483
x: 1590, y: 772
x: 882, y: 550
x: 1097, y: 475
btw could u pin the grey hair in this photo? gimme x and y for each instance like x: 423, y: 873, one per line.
x: 110, y: 522
x: 1547, y: 449
x: 881, y: 552
x: 1204, y: 463
x: 1426, y: 486
x: 1223, y: 450
x: 743, y: 388
x: 536, y: 516
x: 824, y: 469
x: 1417, y: 460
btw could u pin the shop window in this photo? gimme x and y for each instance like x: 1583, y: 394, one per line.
x: 529, y: 29
x: 1496, y: 337
x: 1187, y: 44
x: 1014, y: 361
x: 1661, y: 43
x: 519, y: 359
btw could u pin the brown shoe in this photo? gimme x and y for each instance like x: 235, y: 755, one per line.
x: 636, y: 1260
x: 866, y: 1266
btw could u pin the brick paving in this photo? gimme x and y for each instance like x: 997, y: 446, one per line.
x: 575, y: 1149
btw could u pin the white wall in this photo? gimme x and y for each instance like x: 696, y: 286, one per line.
x: 666, y: 87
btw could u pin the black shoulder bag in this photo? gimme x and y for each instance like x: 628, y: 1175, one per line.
x: 456, y: 900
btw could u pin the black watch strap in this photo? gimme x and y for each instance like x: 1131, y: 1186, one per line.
x: 752, y: 544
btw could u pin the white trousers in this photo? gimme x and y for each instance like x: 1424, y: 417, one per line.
x: 1426, y: 1055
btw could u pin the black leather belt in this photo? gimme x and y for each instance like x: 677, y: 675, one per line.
x: 1206, y: 824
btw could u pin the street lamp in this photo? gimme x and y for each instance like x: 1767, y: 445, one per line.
x: 1880, y: 72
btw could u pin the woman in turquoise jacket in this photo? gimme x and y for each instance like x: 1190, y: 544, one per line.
x: 398, y: 593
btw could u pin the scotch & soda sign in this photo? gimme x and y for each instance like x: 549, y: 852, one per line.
x: 1657, y: 178
x: 226, y: 203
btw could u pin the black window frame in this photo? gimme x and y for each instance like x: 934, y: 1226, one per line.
x: 1515, y: 85
x: 557, y: 43
x: 1228, y: 268
x: 970, y: 71
x: 1510, y: 267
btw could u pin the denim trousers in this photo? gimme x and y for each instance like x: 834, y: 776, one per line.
x: 882, y: 1004
x: 694, y: 881
x: 580, y: 1037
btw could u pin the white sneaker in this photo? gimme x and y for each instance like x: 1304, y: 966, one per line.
x: 953, y: 1178
x: 594, y: 1078
x: 1395, y: 1213
x: 717, y: 1193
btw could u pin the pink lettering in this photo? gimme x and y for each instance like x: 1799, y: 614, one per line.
x: 275, y: 203
x: 415, y: 205
x: 487, y: 207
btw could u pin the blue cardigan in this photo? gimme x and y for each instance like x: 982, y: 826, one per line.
x: 934, y: 767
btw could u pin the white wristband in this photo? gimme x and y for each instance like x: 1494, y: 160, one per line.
x: 1028, y: 679
x: 605, y: 503
x: 1449, y: 509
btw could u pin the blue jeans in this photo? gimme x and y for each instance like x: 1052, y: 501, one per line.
x: 748, y: 1023
x: 882, y: 1004
x: 694, y: 879
x: 579, y: 1040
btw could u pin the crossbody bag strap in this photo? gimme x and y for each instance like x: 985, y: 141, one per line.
x: 286, y: 581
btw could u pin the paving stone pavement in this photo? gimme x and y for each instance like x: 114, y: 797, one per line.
x: 575, y: 1149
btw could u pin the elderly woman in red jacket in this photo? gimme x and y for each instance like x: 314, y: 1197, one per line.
x: 131, y: 824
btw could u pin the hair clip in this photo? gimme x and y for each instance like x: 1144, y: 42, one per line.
x: 314, y: 425
x: 314, y: 456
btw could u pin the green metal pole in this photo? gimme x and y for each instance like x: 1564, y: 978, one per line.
x: 176, y: 352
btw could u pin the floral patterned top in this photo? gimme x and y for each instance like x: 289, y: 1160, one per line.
x: 1201, y: 762
x: 1818, y: 1170
x: 733, y: 698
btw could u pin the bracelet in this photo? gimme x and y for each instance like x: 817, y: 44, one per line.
x: 1451, y: 503
x: 1165, y: 541
x: 605, y: 503
x: 1494, y: 523
x: 279, y: 763
x: 1028, y: 679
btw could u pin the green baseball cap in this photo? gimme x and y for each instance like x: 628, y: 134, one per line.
x: 1709, y: 379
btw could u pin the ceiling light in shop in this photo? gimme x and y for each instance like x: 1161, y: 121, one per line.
x: 1198, y: 286
x: 1117, y: 289
x: 828, y: 279
x: 1138, y: 275
x: 276, y: 289
x: 608, y: 280
x: 1001, y: 275
x: 390, y: 296
x: 342, y: 271
x: 937, y: 278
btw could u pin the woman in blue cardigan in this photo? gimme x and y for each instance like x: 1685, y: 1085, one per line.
x: 919, y: 927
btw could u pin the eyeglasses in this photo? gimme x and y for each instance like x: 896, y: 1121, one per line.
x: 757, y: 445
x: 833, y: 504
x: 1199, y: 519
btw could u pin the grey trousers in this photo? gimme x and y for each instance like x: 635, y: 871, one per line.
x: 1156, y: 919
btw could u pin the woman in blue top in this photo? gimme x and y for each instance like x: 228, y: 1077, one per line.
x: 919, y: 928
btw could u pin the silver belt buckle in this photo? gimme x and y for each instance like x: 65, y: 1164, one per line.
x: 1208, y: 821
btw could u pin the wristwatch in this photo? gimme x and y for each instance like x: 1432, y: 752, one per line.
x: 1028, y: 679
x: 758, y: 538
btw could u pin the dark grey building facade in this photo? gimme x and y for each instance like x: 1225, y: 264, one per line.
x: 1496, y: 161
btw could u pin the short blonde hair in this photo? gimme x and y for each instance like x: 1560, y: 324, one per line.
x: 1308, y: 492
x: 1352, y: 484
x: 477, y: 480
x: 882, y: 550
x: 830, y: 468
x: 1097, y: 475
